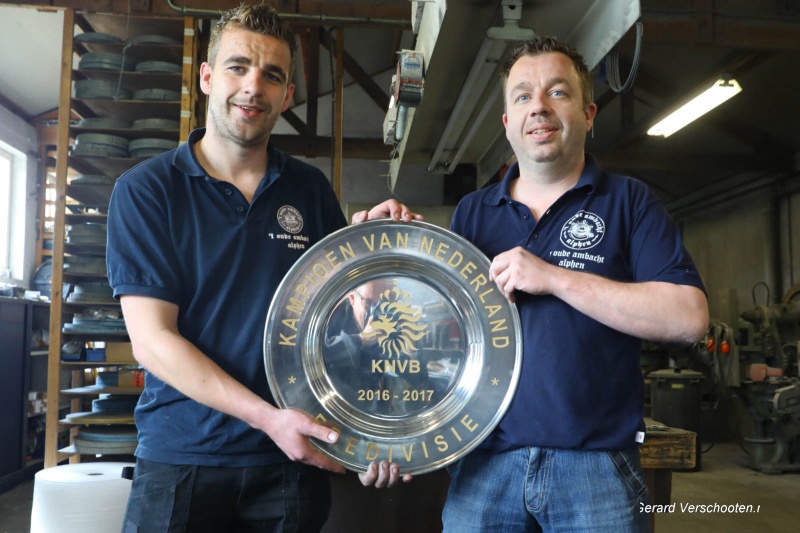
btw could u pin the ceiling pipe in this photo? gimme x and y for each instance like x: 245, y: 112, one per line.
x: 322, y: 19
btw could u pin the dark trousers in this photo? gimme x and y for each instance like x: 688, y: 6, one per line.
x: 288, y: 497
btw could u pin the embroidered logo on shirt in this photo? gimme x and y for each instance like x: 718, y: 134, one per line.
x: 290, y: 219
x: 583, y: 231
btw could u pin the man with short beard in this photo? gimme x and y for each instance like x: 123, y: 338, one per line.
x: 594, y: 264
x: 199, y: 239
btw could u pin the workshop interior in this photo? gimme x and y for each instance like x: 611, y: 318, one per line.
x: 402, y: 99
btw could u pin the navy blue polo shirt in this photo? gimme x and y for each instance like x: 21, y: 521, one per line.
x: 177, y: 234
x: 581, y: 385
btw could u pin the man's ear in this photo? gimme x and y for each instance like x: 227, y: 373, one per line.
x: 288, y: 99
x: 205, y: 78
x: 590, y: 112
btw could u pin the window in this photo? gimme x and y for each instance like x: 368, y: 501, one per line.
x: 6, y: 161
x: 13, y: 207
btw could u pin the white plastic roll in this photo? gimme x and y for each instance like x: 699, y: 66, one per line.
x: 80, y: 498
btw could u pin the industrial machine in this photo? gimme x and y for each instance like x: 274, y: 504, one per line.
x: 756, y: 360
x: 768, y: 343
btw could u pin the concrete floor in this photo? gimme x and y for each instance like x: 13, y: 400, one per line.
x: 723, y: 480
x: 15, y: 509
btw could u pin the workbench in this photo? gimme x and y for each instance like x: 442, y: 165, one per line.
x: 665, y: 449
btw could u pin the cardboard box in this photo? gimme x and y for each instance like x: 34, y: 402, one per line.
x: 131, y: 378
x: 119, y: 352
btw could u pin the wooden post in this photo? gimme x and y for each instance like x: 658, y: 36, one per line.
x: 189, y: 78
x: 339, y: 118
x: 62, y: 150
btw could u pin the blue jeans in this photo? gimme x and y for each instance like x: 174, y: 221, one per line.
x: 547, y: 489
x: 287, y: 497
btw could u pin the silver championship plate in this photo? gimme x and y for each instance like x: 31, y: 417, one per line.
x: 393, y: 335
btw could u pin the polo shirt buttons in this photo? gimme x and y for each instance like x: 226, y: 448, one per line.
x: 535, y: 236
x: 228, y: 192
x: 239, y: 208
x: 526, y: 216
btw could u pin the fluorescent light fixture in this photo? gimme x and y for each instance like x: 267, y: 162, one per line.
x: 722, y: 90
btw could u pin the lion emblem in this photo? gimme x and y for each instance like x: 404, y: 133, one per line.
x: 396, y: 324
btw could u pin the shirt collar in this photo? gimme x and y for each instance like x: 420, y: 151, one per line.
x: 184, y: 158
x: 275, y: 163
x: 186, y: 161
x: 589, y: 179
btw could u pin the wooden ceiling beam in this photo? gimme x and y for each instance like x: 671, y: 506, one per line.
x: 754, y: 31
x: 376, y: 13
x: 294, y: 121
x: 379, y: 11
x: 362, y: 78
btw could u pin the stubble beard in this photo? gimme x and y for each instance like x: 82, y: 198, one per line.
x: 536, y: 153
x: 226, y: 127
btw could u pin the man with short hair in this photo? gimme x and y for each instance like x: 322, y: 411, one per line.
x: 199, y: 239
x: 594, y: 264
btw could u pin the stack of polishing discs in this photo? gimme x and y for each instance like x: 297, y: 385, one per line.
x: 92, y: 179
x: 154, y: 39
x: 150, y: 147
x: 100, y: 145
x: 105, y: 61
x: 157, y: 94
x: 156, y: 124
x: 86, y: 233
x: 85, y: 264
x: 158, y: 66
x: 96, y: 37
x: 104, y: 123
x: 106, y: 440
x: 91, y: 292
x: 101, y: 89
